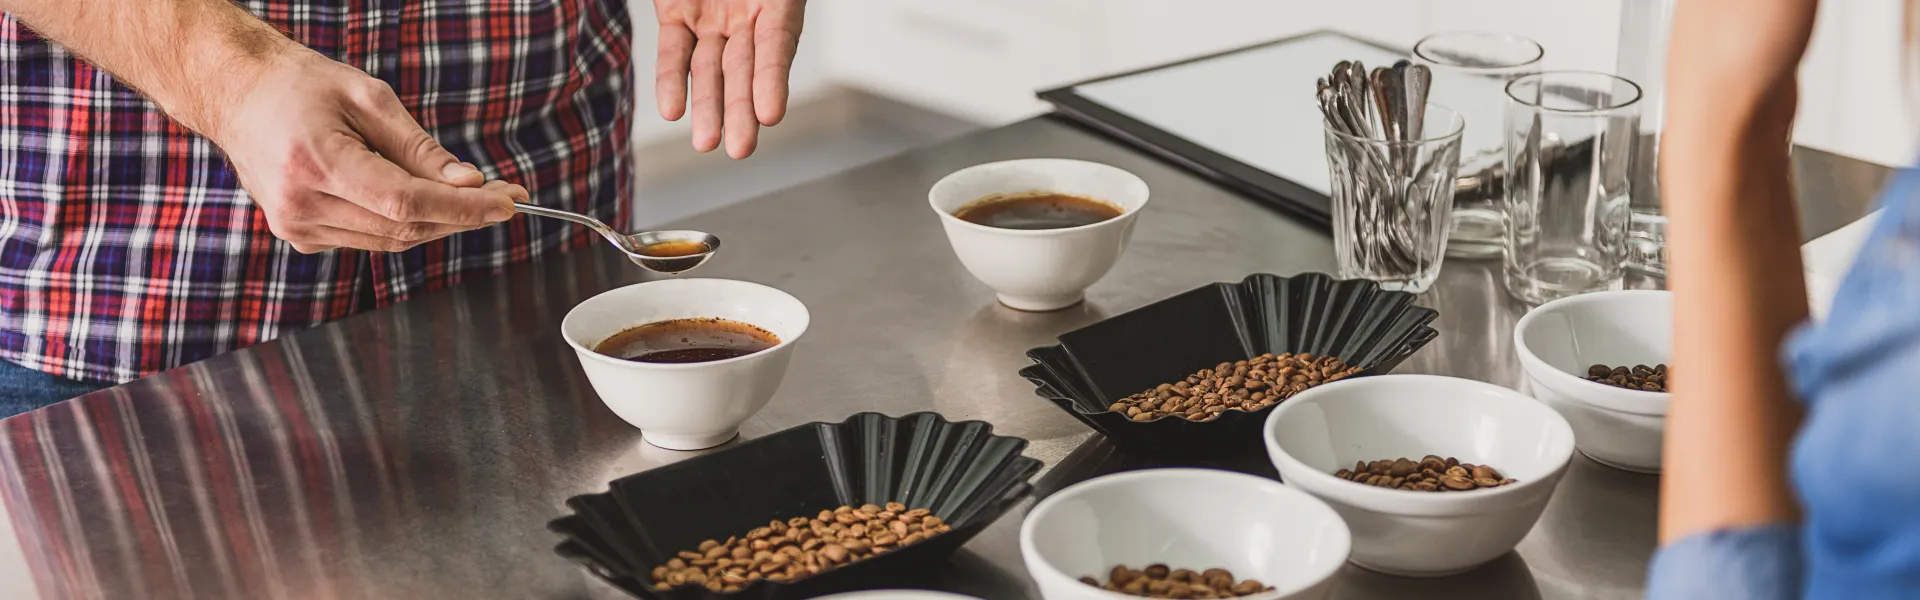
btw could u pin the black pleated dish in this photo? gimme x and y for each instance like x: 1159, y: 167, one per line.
x: 1168, y: 340
x: 962, y: 471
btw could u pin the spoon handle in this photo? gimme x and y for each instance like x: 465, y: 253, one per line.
x: 618, y: 240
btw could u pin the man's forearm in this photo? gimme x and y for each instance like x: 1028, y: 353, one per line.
x: 189, y: 56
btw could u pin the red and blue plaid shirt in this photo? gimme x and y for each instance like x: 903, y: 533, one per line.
x: 127, y: 245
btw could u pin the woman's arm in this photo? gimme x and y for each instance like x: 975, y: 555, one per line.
x: 1734, y: 261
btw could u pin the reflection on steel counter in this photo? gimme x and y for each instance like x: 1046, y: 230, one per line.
x: 232, y: 479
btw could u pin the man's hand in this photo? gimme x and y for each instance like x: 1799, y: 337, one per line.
x: 304, y: 139
x: 327, y: 151
x: 738, y: 53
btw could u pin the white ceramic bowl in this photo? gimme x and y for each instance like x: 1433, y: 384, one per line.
x: 1187, y: 519
x: 1560, y: 339
x: 1039, y: 270
x: 686, y: 406
x: 1403, y: 532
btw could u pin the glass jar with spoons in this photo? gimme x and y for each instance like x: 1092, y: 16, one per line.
x: 1392, y: 158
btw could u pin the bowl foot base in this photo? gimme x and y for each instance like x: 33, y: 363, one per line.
x: 676, y: 441
x: 1405, y: 573
x: 1627, y: 468
x: 1041, y: 303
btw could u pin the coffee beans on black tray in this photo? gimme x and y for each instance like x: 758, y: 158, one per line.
x: 1159, y: 581
x: 1640, y: 377
x: 1249, y: 385
x: 799, y: 547
x: 1429, y: 474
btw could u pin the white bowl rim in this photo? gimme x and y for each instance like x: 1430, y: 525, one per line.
x: 1475, y: 502
x: 1344, y: 540
x: 1640, y: 402
x: 806, y: 319
x: 1146, y: 196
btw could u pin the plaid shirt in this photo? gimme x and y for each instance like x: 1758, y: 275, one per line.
x: 127, y: 245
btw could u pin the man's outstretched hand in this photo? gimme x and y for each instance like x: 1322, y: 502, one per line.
x: 738, y: 54
x: 334, y: 160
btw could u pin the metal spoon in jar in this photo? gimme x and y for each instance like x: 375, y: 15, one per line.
x: 658, y: 251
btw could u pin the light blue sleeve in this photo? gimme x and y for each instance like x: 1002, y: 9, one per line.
x: 1859, y: 375
x: 1753, y: 563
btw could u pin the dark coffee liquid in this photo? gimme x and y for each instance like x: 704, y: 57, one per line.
x: 1037, y: 211
x: 687, y: 341
x: 673, y: 249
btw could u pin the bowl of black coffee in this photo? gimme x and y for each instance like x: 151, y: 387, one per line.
x: 1039, y: 231
x: 686, y: 360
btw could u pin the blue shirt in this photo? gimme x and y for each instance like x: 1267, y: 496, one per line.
x: 1854, y: 462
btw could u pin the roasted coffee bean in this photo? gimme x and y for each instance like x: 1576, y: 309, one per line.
x: 1430, y: 474
x: 1247, y: 385
x: 1158, y: 581
x: 1401, y: 468
x: 1637, y: 377
x: 798, y: 548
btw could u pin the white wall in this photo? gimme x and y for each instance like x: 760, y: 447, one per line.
x: 983, y: 59
x: 1852, y: 94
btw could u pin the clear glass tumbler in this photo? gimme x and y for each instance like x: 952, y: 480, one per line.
x: 1646, y: 27
x: 1570, y: 141
x: 1471, y: 71
x: 1392, y: 201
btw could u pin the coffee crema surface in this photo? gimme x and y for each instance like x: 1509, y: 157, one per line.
x: 687, y: 341
x: 674, y: 249
x: 1037, y: 211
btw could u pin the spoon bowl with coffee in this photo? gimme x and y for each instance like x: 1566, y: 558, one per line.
x: 670, y: 252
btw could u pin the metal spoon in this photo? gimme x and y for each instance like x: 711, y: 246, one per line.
x: 1416, y: 80
x: 1357, y: 94
x: 1323, y: 95
x: 1386, y: 95
x: 653, y: 250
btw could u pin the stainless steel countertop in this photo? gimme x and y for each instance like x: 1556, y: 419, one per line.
x: 418, y: 451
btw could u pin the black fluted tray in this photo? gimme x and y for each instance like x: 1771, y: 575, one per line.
x: 962, y: 471
x: 1168, y: 340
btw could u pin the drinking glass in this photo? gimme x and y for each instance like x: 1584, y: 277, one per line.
x: 1570, y: 138
x: 1471, y: 71
x: 1392, y: 201
x: 1645, y: 29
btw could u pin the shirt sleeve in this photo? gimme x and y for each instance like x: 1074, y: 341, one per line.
x: 1754, y: 563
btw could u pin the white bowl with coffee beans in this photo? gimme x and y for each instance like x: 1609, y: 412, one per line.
x: 1452, y: 472
x: 1159, y: 532
x: 686, y: 360
x: 1620, y: 421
